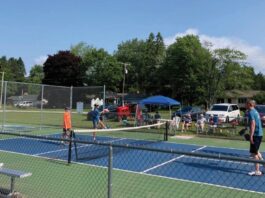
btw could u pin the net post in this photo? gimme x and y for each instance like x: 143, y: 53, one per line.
x: 76, y: 155
x: 110, y: 172
x: 70, y: 148
x: 166, y: 132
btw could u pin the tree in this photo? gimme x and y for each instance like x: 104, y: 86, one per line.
x: 63, y: 68
x: 260, y: 98
x: 184, y: 70
x: 133, y: 52
x: 145, y: 58
x: 14, y: 69
x: 100, y: 67
x: 259, y: 81
x: 154, y: 57
x: 226, y: 71
x: 236, y: 73
x: 108, y: 72
x: 36, y: 74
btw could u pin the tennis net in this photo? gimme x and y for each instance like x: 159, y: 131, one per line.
x: 85, y: 148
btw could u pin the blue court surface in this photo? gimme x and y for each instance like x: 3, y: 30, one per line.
x: 226, y: 174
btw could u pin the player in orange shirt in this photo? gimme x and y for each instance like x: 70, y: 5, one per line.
x: 67, y: 124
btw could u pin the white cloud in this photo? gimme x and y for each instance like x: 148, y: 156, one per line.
x: 255, y: 54
x: 40, y: 60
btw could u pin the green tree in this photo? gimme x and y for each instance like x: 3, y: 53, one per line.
x: 36, y: 74
x: 14, y: 69
x: 236, y: 74
x: 145, y: 58
x: 133, y: 52
x: 153, y: 60
x: 186, y: 64
x: 259, y: 81
x: 260, y: 98
x: 101, y: 68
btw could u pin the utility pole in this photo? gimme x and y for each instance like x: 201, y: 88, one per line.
x: 125, y: 71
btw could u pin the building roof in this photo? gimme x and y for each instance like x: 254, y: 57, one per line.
x: 24, y: 98
x: 241, y: 93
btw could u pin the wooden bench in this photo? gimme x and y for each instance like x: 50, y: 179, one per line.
x: 12, y: 174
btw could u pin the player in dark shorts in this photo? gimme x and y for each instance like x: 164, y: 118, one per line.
x: 256, y: 133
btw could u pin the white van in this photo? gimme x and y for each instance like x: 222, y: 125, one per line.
x: 226, y: 112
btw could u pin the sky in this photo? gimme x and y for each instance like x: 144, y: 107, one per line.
x: 34, y: 29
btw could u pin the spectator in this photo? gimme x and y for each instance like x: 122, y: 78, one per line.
x: 125, y: 121
x: 157, y: 116
x: 139, y: 116
x: 187, y: 122
x: 200, y: 123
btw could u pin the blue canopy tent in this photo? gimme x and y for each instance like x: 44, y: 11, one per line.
x: 160, y: 100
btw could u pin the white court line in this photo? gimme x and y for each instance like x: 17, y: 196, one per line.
x: 169, y: 161
x: 55, y: 151
x: 11, y: 138
x: 218, y: 160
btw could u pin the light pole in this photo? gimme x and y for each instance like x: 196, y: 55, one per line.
x: 125, y: 71
x: 2, y: 86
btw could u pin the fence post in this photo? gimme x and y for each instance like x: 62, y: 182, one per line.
x: 41, y: 106
x: 166, y: 133
x: 71, y: 97
x: 104, y: 96
x: 4, y: 109
x: 110, y: 172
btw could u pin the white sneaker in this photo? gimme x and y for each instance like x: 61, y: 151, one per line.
x: 1, y: 164
x: 255, y: 173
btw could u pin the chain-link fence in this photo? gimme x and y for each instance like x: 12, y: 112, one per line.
x: 200, y: 125
x: 158, y: 169
x: 26, y: 106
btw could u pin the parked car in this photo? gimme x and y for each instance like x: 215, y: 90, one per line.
x: 193, y: 111
x: 25, y: 104
x: 261, y: 110
x: 224, y: 111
